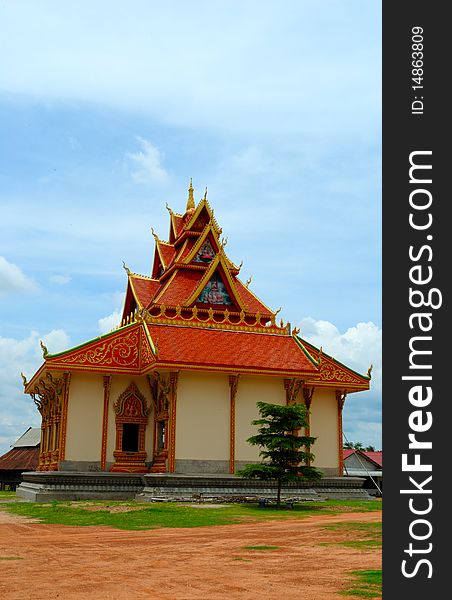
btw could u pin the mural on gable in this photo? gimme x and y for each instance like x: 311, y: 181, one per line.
x: 205, y: 254
x: 215, y: 292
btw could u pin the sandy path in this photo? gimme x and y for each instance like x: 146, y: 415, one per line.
x: 209, y: 563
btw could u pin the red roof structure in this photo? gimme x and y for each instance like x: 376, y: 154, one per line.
x: 23, y: 456
x: 20, y: 459
x: 193, y: 312
x: 375, y: 457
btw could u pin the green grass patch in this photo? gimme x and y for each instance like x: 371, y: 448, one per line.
x: 367, y: 584
x: 261, y: 547
x: 135, y: 515
x: 362, y: 544
x: 7, y: 494
x: 368, y: 528
x: 372, y: 532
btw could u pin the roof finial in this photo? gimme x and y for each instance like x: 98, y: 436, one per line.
x: 205, y: 194
x: 45, y: 352
x: 320, y: 357
x: 191, y: 200
x: 126, y: 268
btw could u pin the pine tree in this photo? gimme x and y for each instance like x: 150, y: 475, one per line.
x: 283, y: 450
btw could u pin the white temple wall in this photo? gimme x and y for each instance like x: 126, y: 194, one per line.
x: 324, y: 426
x: 202, y: 417
x: 252, y: 389
x: 84, y: 417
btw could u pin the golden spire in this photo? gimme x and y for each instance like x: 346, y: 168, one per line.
x: 191, y: 200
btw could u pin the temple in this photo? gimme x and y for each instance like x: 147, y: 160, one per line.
x: 173, y: 389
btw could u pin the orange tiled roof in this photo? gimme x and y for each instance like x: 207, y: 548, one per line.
x: 178, y: 224
x: 180, y: 287
x: 199, y: 347
x: 145, y: 289
x: 167, y: 251
x: 252, y: 303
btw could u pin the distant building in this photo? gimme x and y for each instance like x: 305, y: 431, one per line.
x: 360, y: 463
x: 173, y: 389
x: 23, y: 456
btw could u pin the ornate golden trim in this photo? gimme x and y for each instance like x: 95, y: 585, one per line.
x: 103, y: 454
x: 340, y: 398
x: 199, y: 242
x: 292, y: 387
x: 218, y: 261
x: 49, y: 396
x: 67, y: 383
x: 203, y: 203
x: 173, y: 379
x: 130, y: 407
x: 221, y: 369
x: 307, y: 397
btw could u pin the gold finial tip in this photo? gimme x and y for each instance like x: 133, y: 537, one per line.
x: 24, y: 379
x: 369, y: 371
x: 125, y: 267
x: 190, y: 200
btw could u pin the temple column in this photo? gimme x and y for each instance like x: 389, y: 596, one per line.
x: 233, y: 384
x: 173, y: 379
x: 292, y: 387
x: 340, y: 397
x: 64, y: 409
x: 103, y: 452
x: 308, y: 393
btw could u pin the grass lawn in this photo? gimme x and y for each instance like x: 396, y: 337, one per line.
x: 133, y: 515
x: 367, y: 584
x: 370, y: 534
x: 6, y: 494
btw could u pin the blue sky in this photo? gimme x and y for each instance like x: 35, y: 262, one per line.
x: 108, y: 108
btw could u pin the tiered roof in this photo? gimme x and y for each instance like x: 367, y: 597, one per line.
x: 192, y: 269
x: 193, y: 312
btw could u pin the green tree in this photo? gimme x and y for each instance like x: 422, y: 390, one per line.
x: 359, y: 446
x: 282, y: 449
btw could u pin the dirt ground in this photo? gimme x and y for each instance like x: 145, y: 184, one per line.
x: 40, y: 562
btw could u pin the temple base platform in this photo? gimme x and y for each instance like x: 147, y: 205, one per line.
x: 154, y: 487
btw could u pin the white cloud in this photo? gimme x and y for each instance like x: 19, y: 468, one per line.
x: 60, y: 279
x: 17, y: 411
x: 108, y: 323
x: 357, y: 348
x: 13, y: 280
x: 56, y: 341
x: 147, y: 164
x: 230, y: 74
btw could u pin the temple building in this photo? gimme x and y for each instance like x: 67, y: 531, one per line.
x: 173, y: 389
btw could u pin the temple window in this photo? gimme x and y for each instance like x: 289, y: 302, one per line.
x: 130, y: 433
x: 131, y: 419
